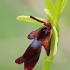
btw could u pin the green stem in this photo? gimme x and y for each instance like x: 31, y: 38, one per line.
x: 56, y: 12
x: 47, y: 62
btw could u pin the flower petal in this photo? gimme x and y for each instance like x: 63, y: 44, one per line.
x: 28, y: 19
x: 34, y: 34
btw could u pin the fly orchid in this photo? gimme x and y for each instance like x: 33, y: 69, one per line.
x: 41, y: 37
x: 46, y: 36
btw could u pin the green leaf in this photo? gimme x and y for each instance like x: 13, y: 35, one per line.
x: 28, y: 19
x: 57, y: 12
x: 48, y: 13
x: 50, y: 6
x: 63, y: 4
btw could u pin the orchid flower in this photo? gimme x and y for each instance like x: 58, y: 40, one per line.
x: 46, y: 36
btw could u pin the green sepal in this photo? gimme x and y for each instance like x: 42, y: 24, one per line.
x: 56, y: 40
x: 28, y: 19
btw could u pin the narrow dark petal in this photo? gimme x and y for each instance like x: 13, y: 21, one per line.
x: 46, y: 22
x: 36, y: 19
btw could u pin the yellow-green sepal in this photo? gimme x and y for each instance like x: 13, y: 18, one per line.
x: 55, y: 33
x: 28, y: 19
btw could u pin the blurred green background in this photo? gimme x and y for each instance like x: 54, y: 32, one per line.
x: 13, y: 34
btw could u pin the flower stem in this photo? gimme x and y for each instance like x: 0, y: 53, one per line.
x: 55, y: 12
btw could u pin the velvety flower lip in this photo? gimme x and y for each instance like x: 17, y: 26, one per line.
x: 41, y: 37
x: 46, y: 36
